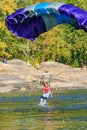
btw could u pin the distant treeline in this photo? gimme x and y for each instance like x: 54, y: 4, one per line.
x: 62, y: 43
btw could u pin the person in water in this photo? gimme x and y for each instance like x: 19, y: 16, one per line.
x: 47, y: 93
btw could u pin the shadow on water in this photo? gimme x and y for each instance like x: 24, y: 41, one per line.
x: 64, y: 111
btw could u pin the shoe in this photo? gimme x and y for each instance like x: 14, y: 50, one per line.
x: 40, y: 104
x: 46, y: 103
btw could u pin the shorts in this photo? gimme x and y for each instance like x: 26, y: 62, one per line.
x: 47, y: 95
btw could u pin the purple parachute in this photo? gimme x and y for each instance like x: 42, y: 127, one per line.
x: 36, y: 19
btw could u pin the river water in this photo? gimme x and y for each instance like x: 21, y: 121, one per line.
x: 66, y: 110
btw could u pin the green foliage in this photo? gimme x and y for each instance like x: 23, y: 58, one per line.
x: 62, y: 43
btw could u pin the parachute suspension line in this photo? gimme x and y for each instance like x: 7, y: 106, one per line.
x: 28, y: 53
x: 43, y: 79
x: 50, y: 79
x: 46, y: 77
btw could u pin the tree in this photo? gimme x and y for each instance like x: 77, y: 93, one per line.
x: 7, y: 7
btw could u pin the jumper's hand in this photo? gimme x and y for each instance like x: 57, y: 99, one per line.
x: 51, y: 94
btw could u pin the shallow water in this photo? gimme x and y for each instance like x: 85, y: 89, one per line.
x: 67, y: 110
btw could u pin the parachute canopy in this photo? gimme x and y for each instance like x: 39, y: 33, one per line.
x: 36, y: 19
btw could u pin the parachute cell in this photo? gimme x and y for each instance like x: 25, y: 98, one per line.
x: 36, y: 19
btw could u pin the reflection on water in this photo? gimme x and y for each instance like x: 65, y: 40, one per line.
x: 65, y: 111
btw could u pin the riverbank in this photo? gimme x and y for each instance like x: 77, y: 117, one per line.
x: 16, y: 75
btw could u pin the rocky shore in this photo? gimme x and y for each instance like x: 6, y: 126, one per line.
x: 16, y: 75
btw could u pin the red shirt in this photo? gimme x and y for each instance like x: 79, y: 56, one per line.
x: 46, y: 89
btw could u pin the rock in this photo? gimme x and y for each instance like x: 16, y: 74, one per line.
x: 17, y: 76
x: 64, y: 76
x: 17, y: 62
